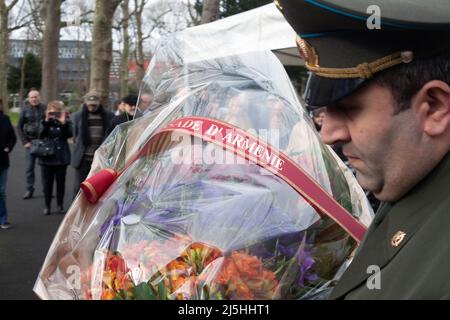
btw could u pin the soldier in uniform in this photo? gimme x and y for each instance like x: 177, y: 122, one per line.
x: 382, y: 70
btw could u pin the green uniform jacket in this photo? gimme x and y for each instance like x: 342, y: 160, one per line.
x: 419, y: 266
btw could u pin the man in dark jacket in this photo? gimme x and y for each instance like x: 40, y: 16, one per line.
x: 7, y: 142
x: 90, y: 128
x: 31, y: 117
x: 130, y: 112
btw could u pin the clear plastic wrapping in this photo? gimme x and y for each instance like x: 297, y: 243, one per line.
x: 193, y: 221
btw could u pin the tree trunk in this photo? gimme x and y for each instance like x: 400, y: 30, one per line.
x: 140, y: 58
x: 102, y: 47
x: 210, y: 11
x: 50, y: 50
x: 4, y: 54
x: 125, y: 50
x: 22, y: 72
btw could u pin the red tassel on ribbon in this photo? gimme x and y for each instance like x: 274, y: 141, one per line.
x: 94, y: 187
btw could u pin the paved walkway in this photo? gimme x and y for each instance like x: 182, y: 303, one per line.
x: 23, y: 248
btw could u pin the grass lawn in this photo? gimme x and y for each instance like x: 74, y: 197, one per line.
x: 14, y: 116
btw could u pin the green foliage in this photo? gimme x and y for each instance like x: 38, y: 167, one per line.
x: 14, y: 117
x: 33, y: 74
x: 144, y: 292
x: 198, y: 6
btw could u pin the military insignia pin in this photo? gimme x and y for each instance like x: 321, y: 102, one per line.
x: 398, y: 238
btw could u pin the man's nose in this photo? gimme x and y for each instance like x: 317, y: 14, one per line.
x: 334, y: 129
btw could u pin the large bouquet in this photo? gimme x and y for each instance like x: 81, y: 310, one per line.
x: 222, y: 191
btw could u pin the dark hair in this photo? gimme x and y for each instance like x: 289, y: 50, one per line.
x: 406, y: 80
x: 1, y: 105
x: 130, y: 99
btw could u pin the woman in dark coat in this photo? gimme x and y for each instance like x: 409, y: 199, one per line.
x: 58, y: 128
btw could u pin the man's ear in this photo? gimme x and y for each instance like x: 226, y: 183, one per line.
x: 432, y: 105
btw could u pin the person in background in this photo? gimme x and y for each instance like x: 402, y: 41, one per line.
x: 58, y: 128
x: 145, y: 101
x: 7, y: 141
x: 32, y: 115
x: 318, y: 115
x: 90, y: 126
x: 130, y: 112
x: 120, y: 109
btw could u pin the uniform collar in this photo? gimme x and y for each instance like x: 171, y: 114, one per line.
x: 406, y: 215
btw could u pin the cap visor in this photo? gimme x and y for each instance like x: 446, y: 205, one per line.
x: 321, y: 92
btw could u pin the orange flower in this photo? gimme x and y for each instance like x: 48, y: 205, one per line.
x: 122, y: 282
x: 245, y: 278
x: 199, y: 256
x: 108, y: 294
x: 248, y: 266
x: 116, y: 264
x: 243, y: 292
x: 177, y: 265
x: 184, y: 268
x: 109, y: 278
x: 177, y: 282
x: 228, y: 272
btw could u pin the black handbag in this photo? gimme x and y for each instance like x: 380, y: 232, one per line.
x: 42, y: 148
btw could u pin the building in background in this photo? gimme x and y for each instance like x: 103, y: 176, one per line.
x: 73, y: 62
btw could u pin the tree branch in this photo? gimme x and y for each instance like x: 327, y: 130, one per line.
x: 24, y: 21
x: 194, y: 19
x: 64, y: 24
x: 17, y: 27
x: 11, y: 5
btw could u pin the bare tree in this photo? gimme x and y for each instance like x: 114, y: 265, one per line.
x: 160, y: 18
x: 102, y: 47
x: 50, y: 49
x: 125, y: 48
x: 194, y: 15
x: 37, y: 18
x: 5, y: 31
x: 210, y: 11
x: 23, y: 68
x: 140, y: 58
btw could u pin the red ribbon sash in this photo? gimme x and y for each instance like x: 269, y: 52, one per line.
x: 246, y: 146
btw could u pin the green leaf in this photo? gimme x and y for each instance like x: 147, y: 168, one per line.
x: 125, y: 294
x: 143, y: 292
x: 162, y: 292
x: 118, y: 297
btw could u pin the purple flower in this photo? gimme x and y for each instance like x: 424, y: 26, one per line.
x: 305, y: 263
x: 262, y: 252
x: 123, y: 209
x: 287, y: 251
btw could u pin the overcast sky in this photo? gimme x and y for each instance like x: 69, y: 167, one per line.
x: 176, y: 19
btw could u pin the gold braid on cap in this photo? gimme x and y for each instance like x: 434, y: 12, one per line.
x: 278, y: 5
x: 364, y: 70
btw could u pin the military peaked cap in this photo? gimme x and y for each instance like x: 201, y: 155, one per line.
x: 344, y: 43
